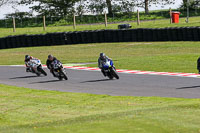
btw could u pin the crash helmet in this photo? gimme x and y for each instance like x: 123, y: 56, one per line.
x: 27, y: 57
x: 102, y: 56
x: 50, y: 57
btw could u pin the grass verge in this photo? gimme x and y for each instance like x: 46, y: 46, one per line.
x: 151, y: 56
x: 27, y: 110
x: 194, y: 21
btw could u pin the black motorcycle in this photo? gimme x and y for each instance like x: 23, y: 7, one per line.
x: 59, y: 71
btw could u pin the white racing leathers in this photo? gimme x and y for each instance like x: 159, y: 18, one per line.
x: 33, y: 64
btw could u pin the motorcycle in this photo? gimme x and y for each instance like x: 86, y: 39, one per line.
x: 36, y: 67
x: 59, y: 71
x: 110, y: 70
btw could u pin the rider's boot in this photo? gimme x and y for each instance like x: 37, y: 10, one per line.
x: 28, y: 69
x: 52, y: 73
x: 103, y: 73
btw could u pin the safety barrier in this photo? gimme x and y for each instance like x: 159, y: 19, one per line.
x: 100, y: 36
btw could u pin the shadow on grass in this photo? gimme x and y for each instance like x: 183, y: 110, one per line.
x: 189, y: 87
x: 93, y: 81
x: 25, y: 77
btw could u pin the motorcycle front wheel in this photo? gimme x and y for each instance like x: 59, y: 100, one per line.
x: 64, y: 75
x: 114, y: 73
x: 40, y: 69
x: 43, y: 72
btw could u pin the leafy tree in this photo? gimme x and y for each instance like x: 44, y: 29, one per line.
x: 51, y: 7
x: 81, y: 7
x: 97, y: 6
x: 193, y: 4
x: 4, y: 2
x: 147, y: 3
x: 120, y: 6
x: 109, y: 5
x: 19, y: 15
x: 126, y: 6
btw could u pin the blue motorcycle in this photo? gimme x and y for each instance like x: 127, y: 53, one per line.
x: 109, y: 69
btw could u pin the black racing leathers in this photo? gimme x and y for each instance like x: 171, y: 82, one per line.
x: 49, y: 63
x: 198, y: 64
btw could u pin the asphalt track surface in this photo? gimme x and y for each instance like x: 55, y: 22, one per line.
x: 95, y: 83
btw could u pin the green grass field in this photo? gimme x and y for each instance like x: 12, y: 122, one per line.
x: 149, y: 56
x: 194, y: 21
x: 28, y: 111
x: 25, y: 110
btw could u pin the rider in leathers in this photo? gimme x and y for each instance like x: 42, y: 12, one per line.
x: 102, y: 59
x: 198, y: 64
x: 49, y: 63
x: 27, y: 61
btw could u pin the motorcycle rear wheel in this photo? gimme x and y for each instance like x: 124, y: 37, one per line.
x: 60, y: 78
x: 40, y: 69
x: 110, y: 76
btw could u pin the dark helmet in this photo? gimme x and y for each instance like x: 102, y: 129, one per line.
x: 27, y: 57
x: 50, y: 56
x: 102, y: 55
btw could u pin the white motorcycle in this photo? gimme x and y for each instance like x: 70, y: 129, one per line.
x: 35, y: 66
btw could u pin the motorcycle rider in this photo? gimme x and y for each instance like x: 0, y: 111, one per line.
x: 27, y: 61
x: 49, y: 63
x: 198, y: 64
x: 102, y: 59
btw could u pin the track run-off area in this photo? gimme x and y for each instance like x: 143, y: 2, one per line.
x: 90, y: 80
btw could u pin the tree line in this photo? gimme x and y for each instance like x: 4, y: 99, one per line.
x: 80, y: 7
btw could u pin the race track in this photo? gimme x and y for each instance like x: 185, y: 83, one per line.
x: 94, y: 82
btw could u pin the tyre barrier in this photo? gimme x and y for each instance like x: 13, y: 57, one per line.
x: 95, y: 37
x: 2, y: 43
x: 101, y: 36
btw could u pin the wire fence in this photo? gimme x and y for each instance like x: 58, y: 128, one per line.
x: 90, y: 19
